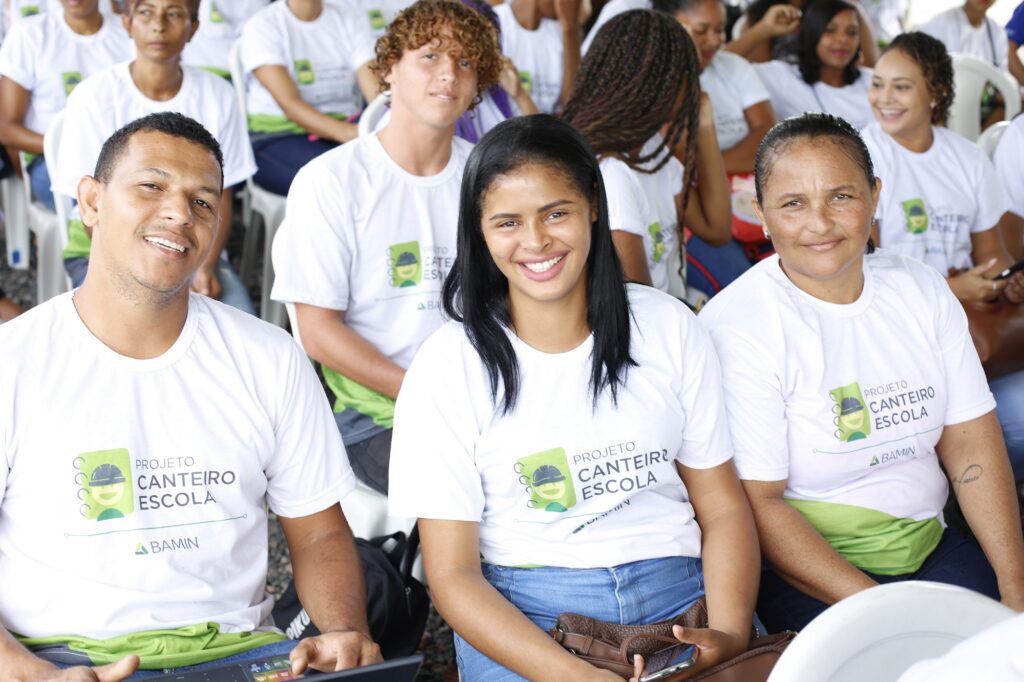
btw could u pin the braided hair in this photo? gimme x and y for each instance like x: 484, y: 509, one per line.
x: 933, y: 59
x: 641, y: 72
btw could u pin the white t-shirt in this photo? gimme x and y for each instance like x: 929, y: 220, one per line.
x: 561, y: 482
x: 733, y: 86
x: 987, y: 42
x: 321, y: 56
x: 109, y: 100
x: 847, y: 402
x: 44, y: 56
x: 791, y: 96
x: 1007, y: 160
x: 220, y: 25
x: 610, y: 10
x: 365, y: 236
x: 661, y: 189
x: 133, y: 495
x: 377, y: 14
x: 886, y: 17
x: 16, y: 10
x: 537, y: 55
x: 630, y: 210
x: 932, y: 202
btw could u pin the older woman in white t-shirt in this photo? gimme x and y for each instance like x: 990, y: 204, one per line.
x: 943, y: 203
x: 562, y: 441
x: 827, y: 76
x: 852, y: 387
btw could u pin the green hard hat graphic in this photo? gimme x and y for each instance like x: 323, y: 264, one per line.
x: 106, y: 474
x: 406, y: 258
x: 547, y: 474
x: 850, y: 405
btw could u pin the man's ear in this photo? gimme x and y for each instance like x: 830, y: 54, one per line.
x: 90, y: 193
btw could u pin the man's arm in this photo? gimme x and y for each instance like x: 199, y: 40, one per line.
x: 331, y: 342
x: 568, y: 13
x: 17, y: 663
x: 329, y: 582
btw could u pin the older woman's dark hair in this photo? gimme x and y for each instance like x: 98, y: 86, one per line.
x: 476, y: 292
x: 815, y: 20
x: 933, y: 59
x: 813, y: 127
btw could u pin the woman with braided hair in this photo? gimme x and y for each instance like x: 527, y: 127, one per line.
x: 651, y: 140
x: 942, y: 201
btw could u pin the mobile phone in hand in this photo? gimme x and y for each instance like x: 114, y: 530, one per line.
x: 1011, y: 271
x: 671, y: 670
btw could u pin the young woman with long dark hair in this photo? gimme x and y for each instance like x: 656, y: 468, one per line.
x: 562, y: 439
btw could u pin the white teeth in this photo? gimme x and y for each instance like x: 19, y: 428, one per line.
x: 166, y: 244
x: 543, y: 266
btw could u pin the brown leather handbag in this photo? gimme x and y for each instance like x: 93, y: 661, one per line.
x: 997, y: 330
x: 612, y: 646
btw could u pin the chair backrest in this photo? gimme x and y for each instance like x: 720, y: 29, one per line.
x: 374, y: 111
x: 275, y: 257
x: 51, y: 143
x: 970, y: 75
x: 879, y: 633
x: 989, y: 139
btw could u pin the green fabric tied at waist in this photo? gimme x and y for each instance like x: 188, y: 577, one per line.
x: 348, y: 393
x: 269, y: 123
x: 871, y: 540
x: 79, y: 244
x: 158, y: 649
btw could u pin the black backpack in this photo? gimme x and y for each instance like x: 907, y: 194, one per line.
x: 397, y: 604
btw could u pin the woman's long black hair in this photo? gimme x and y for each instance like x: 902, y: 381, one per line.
x: 476, y: 292
x: 812, y: 27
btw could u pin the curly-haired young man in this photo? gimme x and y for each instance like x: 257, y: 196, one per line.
x: 369, y: 233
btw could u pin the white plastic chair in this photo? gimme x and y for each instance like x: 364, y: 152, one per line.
x: 50, y: 231
x: 12, y: 199
x: 989, y: 139
x: 270, y: 207
x: 373, y: 113
x: 970, y: 75
x: 879, y: 633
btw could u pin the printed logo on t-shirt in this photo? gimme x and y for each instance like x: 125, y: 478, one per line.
x: 853, y: 420
x: 377, y: 20
x: 304, y: 72
x: 71, y: 80
x: 548, y: 480
x: 105, y: 485
x: 526, y: 80
x: 406, y: 264
x: 658, y: 237
x: 916, y: 215
x: 29, y: 10
x: 215, y: 15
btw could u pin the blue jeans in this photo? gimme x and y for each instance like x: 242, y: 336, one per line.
x: 40, y: 180
x: 282, y: 648
x: 955, y: 561
x: 232, y: 290
x: 1009, y: 394
x: 279, y: 158
x: 635, y: 593
x: 712, y: 268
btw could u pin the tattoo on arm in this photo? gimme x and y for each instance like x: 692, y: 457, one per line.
x: 971, y: 474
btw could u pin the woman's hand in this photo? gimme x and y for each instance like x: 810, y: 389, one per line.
x: 508, y: 78
x: 1014, y: 290
x: 972, y: 285
x: 713, y: 647
x: 707, y: 112
x: 780, y: 20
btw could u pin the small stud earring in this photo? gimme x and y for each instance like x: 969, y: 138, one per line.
x: 766, y: 235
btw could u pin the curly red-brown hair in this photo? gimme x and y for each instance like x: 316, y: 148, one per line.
x: 459, y: 30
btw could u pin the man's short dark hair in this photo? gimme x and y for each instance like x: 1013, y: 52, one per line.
x: 166, y: 122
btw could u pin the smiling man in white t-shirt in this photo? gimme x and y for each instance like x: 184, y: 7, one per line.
x: 369, y: 233
x: 145, y: 430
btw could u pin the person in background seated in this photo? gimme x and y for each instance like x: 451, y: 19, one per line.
x: 220, y: 26
x: 134, y: 503
x: 307, y: 66
x: 542, y: 38
x: 1006, y: 159
x: 369, y: 232
x: 966, y: 30
x: 827, y: 76
x: 852, y: 387
x: 743, y: 114
x: 155, y: 81
x: 650, y: 517
x: 42, y: 60
x: 943, y: 203
x: 649, y: 54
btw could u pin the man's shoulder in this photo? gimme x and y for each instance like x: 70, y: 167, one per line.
x: 240, y: 330
x: 33, y: 332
